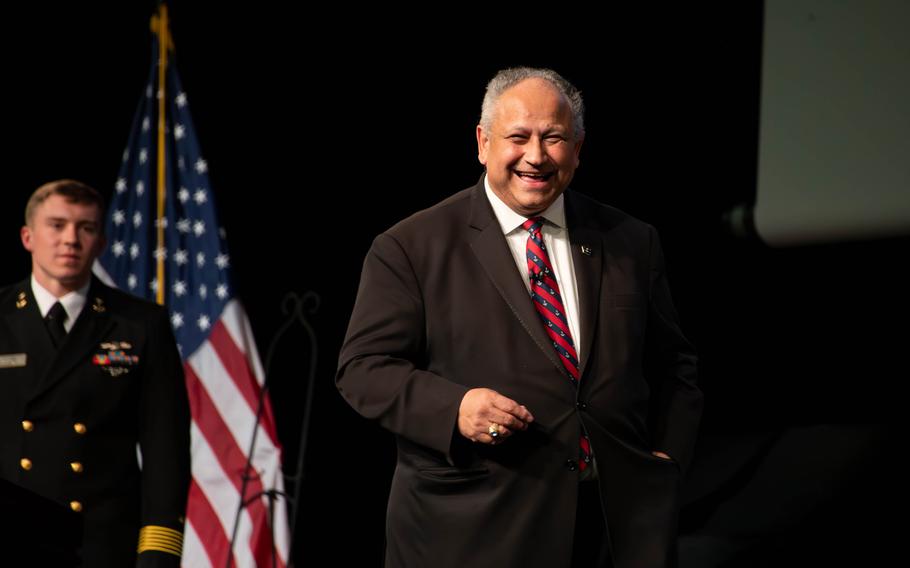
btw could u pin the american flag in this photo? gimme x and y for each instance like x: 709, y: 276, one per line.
x: 223, y: 373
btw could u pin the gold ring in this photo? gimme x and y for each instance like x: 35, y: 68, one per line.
x: 493, y: 430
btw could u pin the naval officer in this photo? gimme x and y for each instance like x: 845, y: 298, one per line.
x: 93, y: 405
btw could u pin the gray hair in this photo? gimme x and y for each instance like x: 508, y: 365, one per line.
x: 508, y: 78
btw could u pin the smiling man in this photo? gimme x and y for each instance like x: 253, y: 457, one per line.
x: 87, y: 374
x: 520, y: 341
x: 529, y: 142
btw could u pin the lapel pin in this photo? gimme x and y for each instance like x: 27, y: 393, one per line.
x: 98, y: 306
x: 586, y: 250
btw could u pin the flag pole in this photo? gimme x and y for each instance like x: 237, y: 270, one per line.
x: 203, y: 298
x: 163, y: 41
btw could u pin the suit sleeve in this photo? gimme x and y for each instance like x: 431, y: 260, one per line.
x: 670, y: 361
x: 164, y: 440
x: 381, y: 370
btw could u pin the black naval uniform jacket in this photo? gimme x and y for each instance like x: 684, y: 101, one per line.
x: 71, y: 420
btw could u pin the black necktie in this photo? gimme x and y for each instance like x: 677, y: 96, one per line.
x: 54, y: 319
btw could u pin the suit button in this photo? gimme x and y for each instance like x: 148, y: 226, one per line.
x: 581, y: 405
x: 25, y: 464
x: 79, y: 427
x: 571, y: 465
x: 76, y: 506
x: 28, y: 425
x: 76, y: 466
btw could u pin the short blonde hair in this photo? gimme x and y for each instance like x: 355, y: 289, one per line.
x: 74, y: 192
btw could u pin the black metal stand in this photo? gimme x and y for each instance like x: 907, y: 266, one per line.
x: 296, y: 309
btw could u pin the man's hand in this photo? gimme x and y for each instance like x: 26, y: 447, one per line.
x: 661, y: 455
x: 482, y: 408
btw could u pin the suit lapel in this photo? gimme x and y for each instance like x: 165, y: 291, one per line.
x: 587, y: 260
x: 492, y: 251
x: 93, y: 322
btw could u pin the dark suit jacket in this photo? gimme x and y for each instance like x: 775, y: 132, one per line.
x: 77, y: 415
x: 442, y: 309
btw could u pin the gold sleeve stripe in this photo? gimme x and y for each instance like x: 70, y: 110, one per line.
x: 158, y: 531
x: 151, y: 544
x: 146, y: 547
x: 159, y: 548
x: 162, y: 542
x: 161, y: 532
x: 162, y: 539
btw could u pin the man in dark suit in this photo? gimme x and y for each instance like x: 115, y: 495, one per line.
x: 521, y: 343
x: 93, y: 406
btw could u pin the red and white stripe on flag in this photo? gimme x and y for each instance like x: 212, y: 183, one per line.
x: 224, y: 378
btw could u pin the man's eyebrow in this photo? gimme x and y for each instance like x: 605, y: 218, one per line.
x: 77, y: 221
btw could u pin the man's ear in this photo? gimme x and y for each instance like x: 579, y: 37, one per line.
x: 25, y: 233
x: 578, y: 143
x: 483, y: 145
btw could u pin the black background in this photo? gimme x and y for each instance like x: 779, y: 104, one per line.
x: 323, y: 129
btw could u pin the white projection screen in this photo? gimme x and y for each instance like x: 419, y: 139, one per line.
x: 834, y: 147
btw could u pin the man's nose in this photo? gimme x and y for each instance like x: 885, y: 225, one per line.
x: 71, y: 235
x: 535, y: 153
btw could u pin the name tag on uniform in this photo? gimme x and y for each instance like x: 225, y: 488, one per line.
x: 12, y: 360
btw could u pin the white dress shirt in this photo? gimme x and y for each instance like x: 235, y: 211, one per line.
x: 72, y: 302
x: 556, y: 237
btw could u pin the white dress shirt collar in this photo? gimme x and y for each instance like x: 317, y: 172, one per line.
x: 510, y: 220
x: 555, y: 235
x: 73, y: 302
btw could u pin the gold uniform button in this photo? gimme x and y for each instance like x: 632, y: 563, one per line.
x: 76, y: 466
x: 79, y: 427
x: 28, y: 425
x: 25, y: 463
x: 76, y: 506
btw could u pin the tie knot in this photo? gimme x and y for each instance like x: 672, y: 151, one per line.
x: 533, y: 225
x: 54, y: 322
x: 57, y: 313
